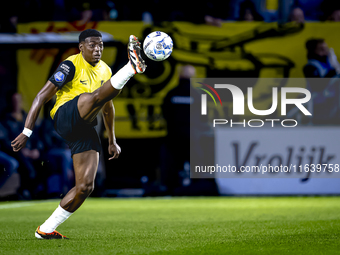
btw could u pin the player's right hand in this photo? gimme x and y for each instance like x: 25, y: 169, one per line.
x: 19, y: 142
x: 115, y: 150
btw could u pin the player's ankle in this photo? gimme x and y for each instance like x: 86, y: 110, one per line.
x: 130, y: 69
x: 57, y: 217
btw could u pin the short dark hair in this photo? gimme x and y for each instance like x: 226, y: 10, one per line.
x: 89, y: 33
x: 311, y: 45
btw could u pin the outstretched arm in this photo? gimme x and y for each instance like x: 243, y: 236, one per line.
x: 44, y: 95
x: 109, y: 116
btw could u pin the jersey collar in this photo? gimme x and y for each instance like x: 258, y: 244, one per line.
x: 87, y: 64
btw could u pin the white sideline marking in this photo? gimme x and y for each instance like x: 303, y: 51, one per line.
x: 16, y: 205
x: 21, y: 204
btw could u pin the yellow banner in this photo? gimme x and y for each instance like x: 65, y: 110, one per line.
x: 238, y: 49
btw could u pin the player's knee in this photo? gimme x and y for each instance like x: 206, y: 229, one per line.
x: 91, y: 100
x: 85, y: 189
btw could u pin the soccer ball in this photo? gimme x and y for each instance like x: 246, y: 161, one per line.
x: 158, y: 46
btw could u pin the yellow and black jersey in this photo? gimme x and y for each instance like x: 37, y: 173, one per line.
x: 75, y: 76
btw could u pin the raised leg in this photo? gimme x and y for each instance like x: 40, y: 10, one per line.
x: 89, y: 104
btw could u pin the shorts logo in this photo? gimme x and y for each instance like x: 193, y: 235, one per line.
x: 59, y: 76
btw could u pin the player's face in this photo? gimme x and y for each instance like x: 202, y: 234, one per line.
x: 92, y: 49
x: 322, y: 49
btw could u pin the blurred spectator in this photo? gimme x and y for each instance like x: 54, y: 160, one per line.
x: 248, y: 12
x: 9, y: 177
x: 53, y: 10
x: 34, y: 10
x: 215, y: 12
x: 331, y: 10
x: 57, y: 159
x: 176, y: 111
x: 28, y: 158
x: 297, y: 15
x: 334, y: 16
x: 209, y: 20
x: 322, y: 63
x: 211, y: 12
x: 176, y: 150
x: 89, y: 10
x: 208, y: 12
x: 44, y: 160
x: 311, y: 8
x: 8, y: 18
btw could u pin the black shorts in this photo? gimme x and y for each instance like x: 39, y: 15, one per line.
x: 79, y: 135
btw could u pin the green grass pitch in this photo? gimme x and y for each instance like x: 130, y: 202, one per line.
x: 221, y: 225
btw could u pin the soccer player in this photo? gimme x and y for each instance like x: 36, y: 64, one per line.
x: 83, y: 85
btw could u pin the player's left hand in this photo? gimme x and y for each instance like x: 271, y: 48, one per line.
x: 115, y: 150
x: 19, y: 142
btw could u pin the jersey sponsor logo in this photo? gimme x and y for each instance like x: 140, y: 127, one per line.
x: 59, y: 76
x: 83, y: 82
